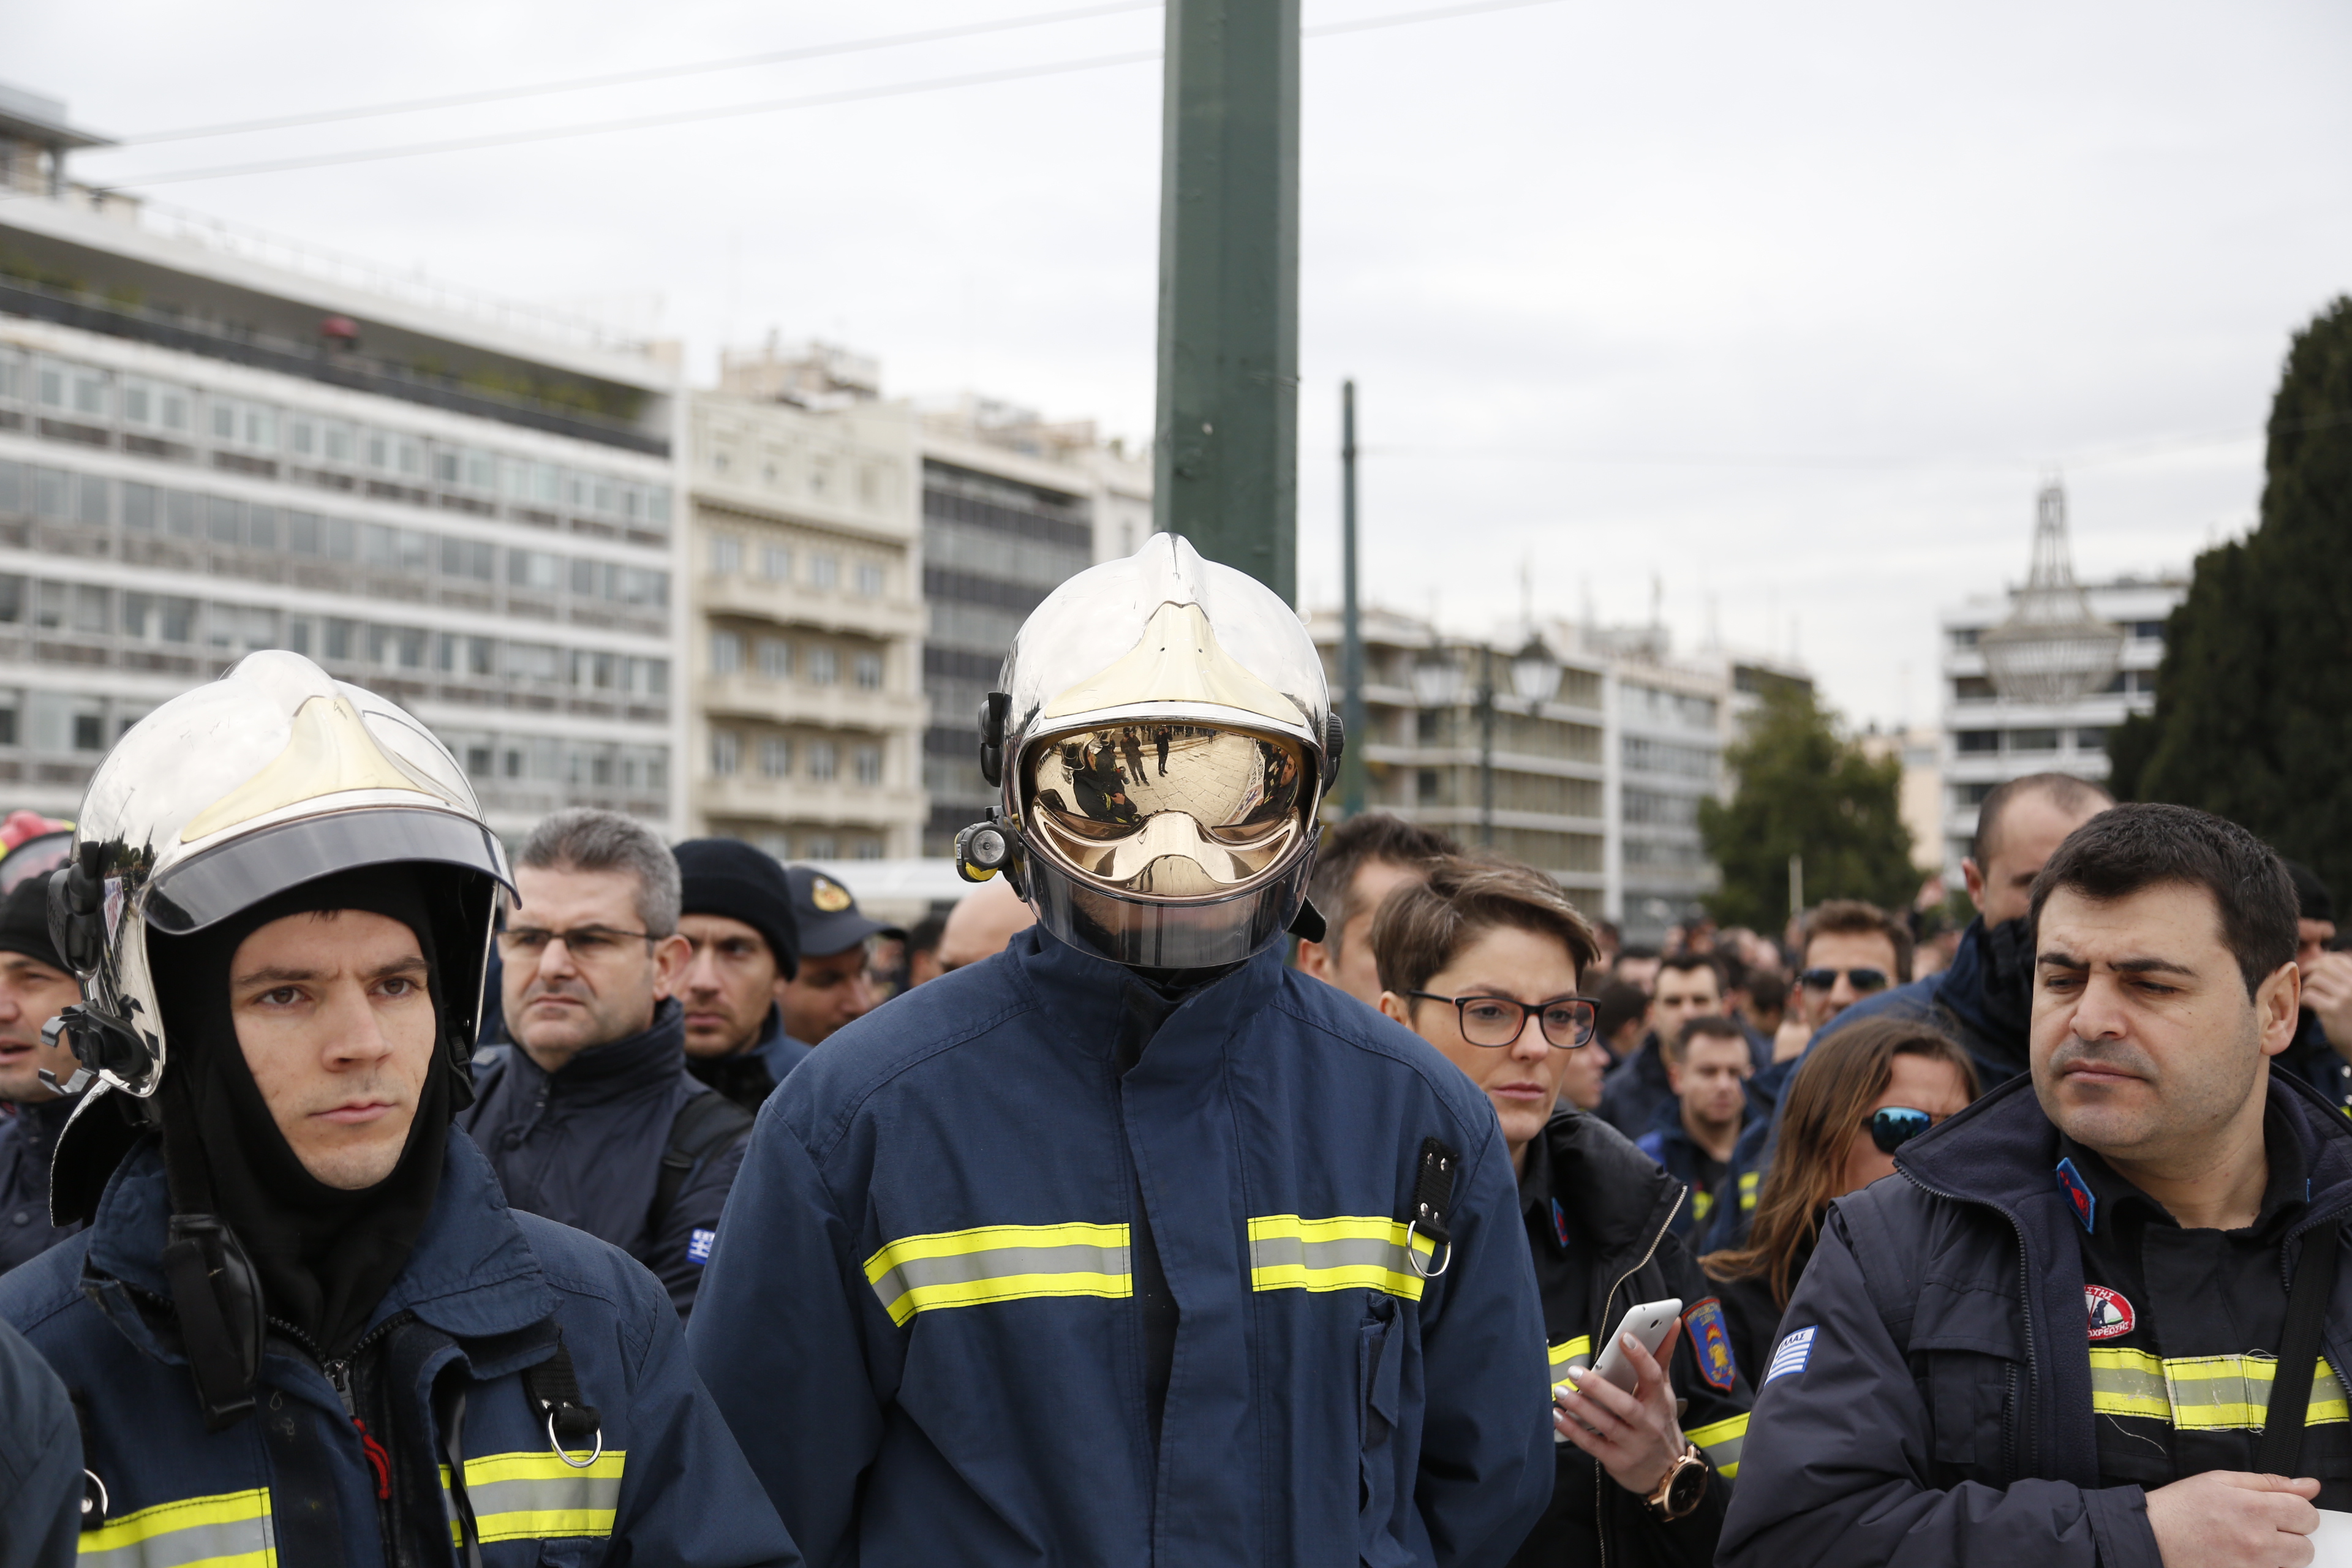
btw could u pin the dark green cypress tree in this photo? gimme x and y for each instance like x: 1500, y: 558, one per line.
x: 2254, y: 701
x: 1803, y: 790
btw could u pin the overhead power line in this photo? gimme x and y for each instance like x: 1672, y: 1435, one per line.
x: 770, y: 106
x: 624, y: 79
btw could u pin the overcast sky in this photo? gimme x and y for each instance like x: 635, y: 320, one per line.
x: 1786, y: 310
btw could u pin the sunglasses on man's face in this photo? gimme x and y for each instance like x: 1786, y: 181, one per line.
x: 1896, y: 1125
x: 1827, y: 979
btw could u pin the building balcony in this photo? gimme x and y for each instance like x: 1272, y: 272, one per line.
x: 837, y: 707
x: 837, y: 803
x: 791, y: 604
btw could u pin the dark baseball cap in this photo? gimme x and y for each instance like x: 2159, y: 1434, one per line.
x: 827, y: 913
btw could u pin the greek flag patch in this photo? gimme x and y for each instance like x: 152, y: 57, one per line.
x: 698, y: 1246
x: 1794, y: 1351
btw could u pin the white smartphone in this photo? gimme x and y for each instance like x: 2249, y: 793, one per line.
x: 1652, y: 1323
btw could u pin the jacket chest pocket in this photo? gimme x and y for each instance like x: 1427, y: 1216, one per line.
x: 1386, y: 1468
x: 1968, y: 1355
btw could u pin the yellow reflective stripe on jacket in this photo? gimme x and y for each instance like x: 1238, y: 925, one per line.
x: 534, y: 1496
x: 1721, y: 1441
x: 1571, y: 1355
x: 1748, y: 1180
x: 1346, y: 1252
x: 999, y: 1263
x: 231, y: 1531
x: 1702, y: 1204
x: 2210, y: 1393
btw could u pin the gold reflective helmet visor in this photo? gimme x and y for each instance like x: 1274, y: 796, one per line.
x: 1167, y: 810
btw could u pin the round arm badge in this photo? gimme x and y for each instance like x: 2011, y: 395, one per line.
x: 2111, y: 1315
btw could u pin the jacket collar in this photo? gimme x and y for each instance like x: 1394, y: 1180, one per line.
x: 1085, y: 994
x: 618, y: 1069
x: 2003, y: 1150
x: 1622, y: 1196
x: 472, y: 1274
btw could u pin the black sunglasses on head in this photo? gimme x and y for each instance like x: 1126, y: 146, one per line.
x: 1896, y: 1125
x: 1827, y: 979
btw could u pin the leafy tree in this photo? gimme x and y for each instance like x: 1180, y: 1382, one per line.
x: 2254, y: 701
x: 1804, y: 790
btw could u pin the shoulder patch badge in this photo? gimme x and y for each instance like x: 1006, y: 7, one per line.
x: 1711, y: 1344
x: 1796, y: 1348
x: 2111, y: 1316
x: 698, y: 1246
x: 2079, y: 1196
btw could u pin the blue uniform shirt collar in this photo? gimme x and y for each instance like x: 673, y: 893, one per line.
x: 1086, y: 994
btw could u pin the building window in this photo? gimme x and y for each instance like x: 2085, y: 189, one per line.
x: 867, y: 671
x: 2033, y: 740
x: 1972, y: 742
x: 1965, y: 637
x: 2091, y: 740
x: 1972, y: 688
x: 825, y: 571
x: 726, y: 752
x: 2148, y: 631
x: 1970, y: 793
x: 726, y: 554
x: 823, y: 667
x: 1429, y: 787
x: 726, y: 653
x: 719, y: 462
x: 776, y: 756
x: 869, y: 580
x: 869, y: 764
x: 824, y: 762
x: 866, y: 850
x: 821, y: 846
x: 778, y: 845
x: 775, y: 658
x: 89, y: 732
x: 775, y: 564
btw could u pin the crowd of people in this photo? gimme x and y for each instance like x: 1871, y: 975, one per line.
x: 1207, y: 1185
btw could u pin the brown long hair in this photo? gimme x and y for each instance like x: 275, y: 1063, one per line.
x: 1829, y: 1099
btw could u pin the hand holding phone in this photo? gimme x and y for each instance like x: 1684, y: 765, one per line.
x: 1653, y: 1324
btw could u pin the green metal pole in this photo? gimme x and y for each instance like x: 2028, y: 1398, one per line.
x: 1352, y: 633
x: 1226, y: 458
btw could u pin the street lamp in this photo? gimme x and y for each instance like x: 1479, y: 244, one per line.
x: 1437, y: 679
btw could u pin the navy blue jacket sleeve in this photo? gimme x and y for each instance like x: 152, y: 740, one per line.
x: 1486, y: 1462
x: 686, y: 1495
x: 778, y: 1335
x: 680, y: 1249
x: 40, y: 1461
x: 1835, y: 1469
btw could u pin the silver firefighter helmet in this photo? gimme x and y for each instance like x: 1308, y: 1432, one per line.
x: 271, y: 776
x: 1163, y: 740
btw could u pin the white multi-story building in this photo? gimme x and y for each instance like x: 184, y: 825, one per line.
x: 1986, y: 740
x: 211, y: 443
x: 808, y: 611
x: 1597, y: 784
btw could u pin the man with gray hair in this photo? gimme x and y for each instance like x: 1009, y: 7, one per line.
x: 590, y: 1117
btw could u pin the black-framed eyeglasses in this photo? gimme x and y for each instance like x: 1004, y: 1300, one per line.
x: 585, y: 944
x: 1497, y: 1021
x: 1827, y: 979
x: 1893, y: 1126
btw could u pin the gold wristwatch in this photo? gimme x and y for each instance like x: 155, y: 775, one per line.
x: 1682, y: 1487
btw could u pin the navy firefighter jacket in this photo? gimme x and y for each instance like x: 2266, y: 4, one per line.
x: 980, y: 1296
x: 439, y: 1378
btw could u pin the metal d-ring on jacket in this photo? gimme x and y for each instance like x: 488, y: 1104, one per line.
x: 1933, y: 1398
x: 931, y: 1312
x: 487, y: 1295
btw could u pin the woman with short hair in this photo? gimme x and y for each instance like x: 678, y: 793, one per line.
x: 1860, y: 1094
x: 1481, y: 961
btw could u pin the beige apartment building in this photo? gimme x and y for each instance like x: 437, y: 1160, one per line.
x: 805, y: 603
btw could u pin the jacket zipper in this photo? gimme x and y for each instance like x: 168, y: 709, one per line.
x: 2024, y: 1292
x: 338, y: 1376
x: 1599, y: 1475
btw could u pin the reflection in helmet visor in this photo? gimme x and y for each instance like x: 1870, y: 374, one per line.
x: 1175, y: 811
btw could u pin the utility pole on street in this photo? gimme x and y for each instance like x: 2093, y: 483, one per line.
x: 1226, y: 455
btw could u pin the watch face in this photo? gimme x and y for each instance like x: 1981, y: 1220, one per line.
x: 1689, y: 1484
